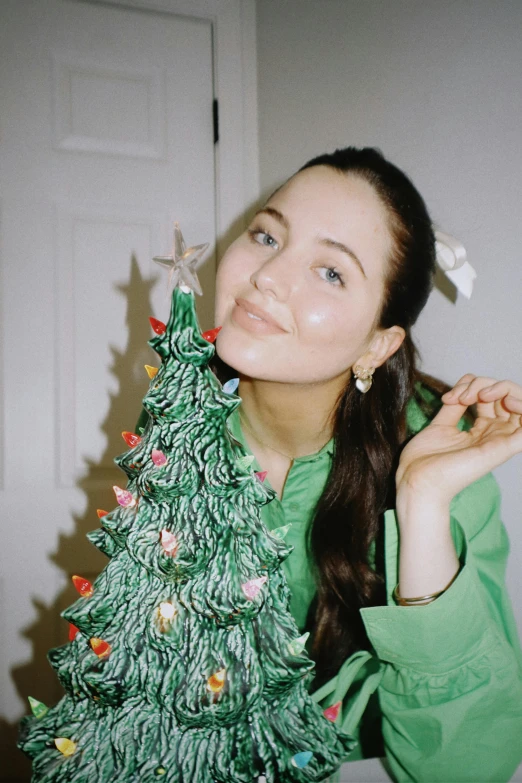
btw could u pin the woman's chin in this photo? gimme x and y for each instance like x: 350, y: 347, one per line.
x: 241, y: 366
x: 238, y: 352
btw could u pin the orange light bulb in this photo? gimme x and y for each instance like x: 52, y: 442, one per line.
x: 151, y: 371
x: 157, y: 326
x: 73, y: 631
x: 100, y: 647
x: 332, y: 712
x: 83, y: 586
x: 131, y: 439
x: 216, y: 682
x: 101, y: 513
x: 211, y: 334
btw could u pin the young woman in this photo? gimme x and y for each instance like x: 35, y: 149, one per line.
x: 399, y: 552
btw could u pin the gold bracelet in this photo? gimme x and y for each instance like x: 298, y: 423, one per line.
x: 421, y: 600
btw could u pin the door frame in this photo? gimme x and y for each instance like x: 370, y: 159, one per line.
x: 234, y: 53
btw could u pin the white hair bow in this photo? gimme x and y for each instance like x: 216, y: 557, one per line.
x: 452, y: 259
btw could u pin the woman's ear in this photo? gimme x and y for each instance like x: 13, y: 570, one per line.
x: 385, y: 344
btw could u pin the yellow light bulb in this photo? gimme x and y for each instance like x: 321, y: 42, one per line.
x: 167, y: 610
x: 151, y: 371
x: 65, y: 746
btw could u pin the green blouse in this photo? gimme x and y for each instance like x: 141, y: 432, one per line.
x: 302, y: 490
x: 441, y: 690
x: 440, y: 693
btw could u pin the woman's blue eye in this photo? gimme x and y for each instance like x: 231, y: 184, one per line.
x: 268, y: 240
x: 336, y: 278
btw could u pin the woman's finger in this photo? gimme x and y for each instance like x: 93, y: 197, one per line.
x: 512, y: 404
x: 462, y: 384
x: 500, y: 410
x: 449, y: 415
x: 470, y: 395
x: 507, y: 397
x: 494, y: 399
x: 466, y: 393
x: 501, y: 389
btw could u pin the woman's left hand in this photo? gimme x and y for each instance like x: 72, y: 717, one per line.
x: 441, y: 460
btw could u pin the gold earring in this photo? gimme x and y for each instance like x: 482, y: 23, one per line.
x: 364, y: 377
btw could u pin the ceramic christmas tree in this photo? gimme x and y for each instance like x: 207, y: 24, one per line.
x: 184, y: 663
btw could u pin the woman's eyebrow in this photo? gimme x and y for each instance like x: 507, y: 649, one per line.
x: 275, y: 214
x: 339, y: 246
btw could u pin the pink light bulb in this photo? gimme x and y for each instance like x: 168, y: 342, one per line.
x: 252, y: 588
x: 158, y: 458
x: 124, y: 497
x: 169, y: 542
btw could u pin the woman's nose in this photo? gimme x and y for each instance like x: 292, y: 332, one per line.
x: 274, y: 276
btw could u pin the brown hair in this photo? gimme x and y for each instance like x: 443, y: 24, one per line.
x: 370, y: 429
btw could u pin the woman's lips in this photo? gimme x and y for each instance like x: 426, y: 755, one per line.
x: 262, y: 324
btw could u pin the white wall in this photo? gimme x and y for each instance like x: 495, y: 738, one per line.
x: 437, y: 86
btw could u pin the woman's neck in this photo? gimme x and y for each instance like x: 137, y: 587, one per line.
x: 292, y: 419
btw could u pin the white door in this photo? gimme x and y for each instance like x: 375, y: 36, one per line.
x: 107, y: 138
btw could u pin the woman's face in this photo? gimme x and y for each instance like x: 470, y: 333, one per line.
x: 311, y: 265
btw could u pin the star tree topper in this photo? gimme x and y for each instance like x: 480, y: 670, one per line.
x: 183, y: 263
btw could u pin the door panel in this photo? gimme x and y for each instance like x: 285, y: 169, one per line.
x: 107, y: 138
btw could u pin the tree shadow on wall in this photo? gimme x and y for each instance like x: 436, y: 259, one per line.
x: 75, y: 554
